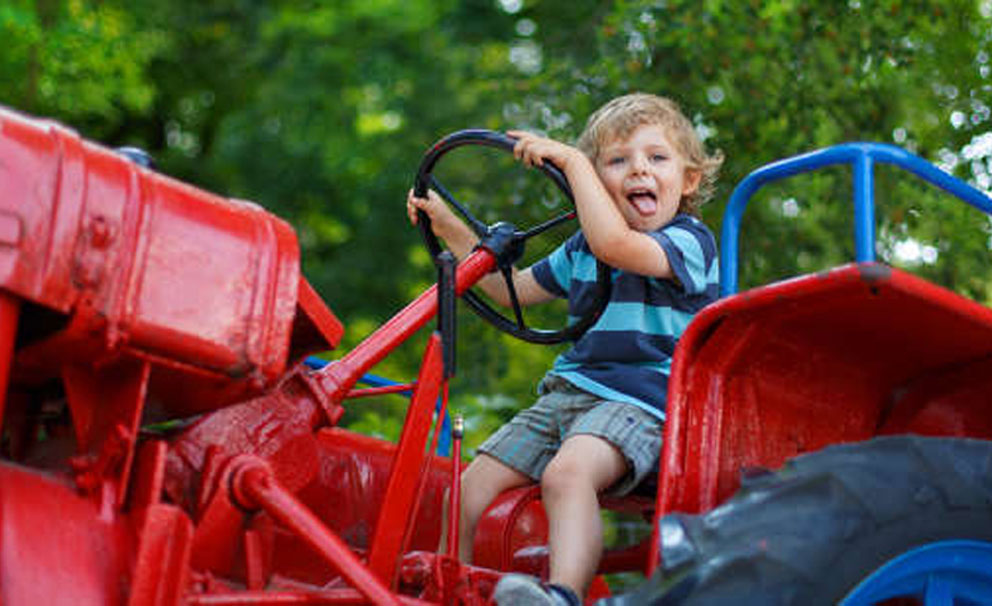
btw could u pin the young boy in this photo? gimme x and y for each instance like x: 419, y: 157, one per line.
x: 638, y: 181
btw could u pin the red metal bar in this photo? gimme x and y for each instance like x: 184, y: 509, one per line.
x: 254, y: 483
x: 254, y: 565
x: 335, y: 597
x: 338, y: 377
x: 408, y: 470
x: 455, y: 499
x: 9, y: 311
x: 442, y: 412
x: 378, y: 391
x: 106, y: 404
x: 426, y: 465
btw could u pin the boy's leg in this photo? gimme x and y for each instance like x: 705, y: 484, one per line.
x: 584, y: 466
x: 482, y: 481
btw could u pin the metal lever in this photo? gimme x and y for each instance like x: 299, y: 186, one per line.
x: 446, y: 310
x: 455, y: 497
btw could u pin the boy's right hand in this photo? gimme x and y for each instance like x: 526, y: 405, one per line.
x: 461, y: 240
x: 444, y: 223
x: 437, y: 211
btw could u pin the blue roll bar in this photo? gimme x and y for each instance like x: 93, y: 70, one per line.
x: 862, y: 157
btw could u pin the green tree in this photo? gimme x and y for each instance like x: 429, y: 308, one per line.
x: 86, y: 64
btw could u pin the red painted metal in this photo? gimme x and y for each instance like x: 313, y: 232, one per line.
x: 513, y: 534
x: 514, y: 522
x: 351, y: 463
x: 333, y: 597
x: 338, y: 377
x: 427, y: 462
x: 379, y: 391
x: 148, y: 299
x: 56, y: 547
x: 254, y: 485
x: 455, y: 501
x: 104, y: 244
x: 162, y: 557
x: 106, y: 405
x: 839, y: 356
x: 406, y: 475
x: 163, y: 531
x: 9, y: 312
x: 315, y: 327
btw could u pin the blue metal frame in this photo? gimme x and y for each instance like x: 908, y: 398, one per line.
x: 862, y: 157
x: 938, y: 574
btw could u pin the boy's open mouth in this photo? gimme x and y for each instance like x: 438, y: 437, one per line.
x: 643, y: 200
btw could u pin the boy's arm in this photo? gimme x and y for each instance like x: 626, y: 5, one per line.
x: 610, y: 239
x: 461, y: 240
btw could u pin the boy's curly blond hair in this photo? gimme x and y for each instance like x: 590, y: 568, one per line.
x: 622, y: 115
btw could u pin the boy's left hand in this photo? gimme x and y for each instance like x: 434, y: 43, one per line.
x: 533, y: 150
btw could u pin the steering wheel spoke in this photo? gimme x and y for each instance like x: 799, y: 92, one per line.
x: 543, y: 227
x: 477, y: 226
x: 512, y: 289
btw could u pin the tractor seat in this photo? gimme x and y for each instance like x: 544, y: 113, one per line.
x: 512, y: 534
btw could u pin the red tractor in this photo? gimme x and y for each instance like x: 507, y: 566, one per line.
x: 166, y: 441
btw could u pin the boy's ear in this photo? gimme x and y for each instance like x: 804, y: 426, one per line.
x: 693, y: 176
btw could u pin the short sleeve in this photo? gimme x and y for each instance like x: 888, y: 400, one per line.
x: 554, y: 272
x: 691, y: 251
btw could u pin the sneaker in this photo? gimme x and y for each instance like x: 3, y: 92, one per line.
x: 524, y: 590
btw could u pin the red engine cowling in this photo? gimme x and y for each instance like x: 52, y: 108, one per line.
x: 113, y: 259
x: 126, y: 298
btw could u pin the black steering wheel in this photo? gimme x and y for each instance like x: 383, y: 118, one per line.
x: 504, y: 240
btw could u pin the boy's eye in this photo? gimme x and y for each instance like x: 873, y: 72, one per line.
x: 658, y: 157
x: 615, y: 161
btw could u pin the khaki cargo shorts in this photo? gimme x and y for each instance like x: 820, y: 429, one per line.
x: 531, y: 439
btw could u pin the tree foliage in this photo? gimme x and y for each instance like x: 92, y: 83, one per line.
x: 321, y: 111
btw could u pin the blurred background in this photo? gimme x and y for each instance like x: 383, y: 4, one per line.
x: 321, y: 111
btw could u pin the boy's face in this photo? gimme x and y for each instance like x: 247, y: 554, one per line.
x: 646, y: 176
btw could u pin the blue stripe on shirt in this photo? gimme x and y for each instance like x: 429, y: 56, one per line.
x: 639, y: 318
x: 692, y: 256
x: 659, y: 292
x: 561, y: 267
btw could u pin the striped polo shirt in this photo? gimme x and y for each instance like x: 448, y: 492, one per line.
x: 626, y: 356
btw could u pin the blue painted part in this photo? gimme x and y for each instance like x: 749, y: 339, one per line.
x: 863, y: 157
x: 443, y: 441
x: 939, y: 574
x: 864, y: 209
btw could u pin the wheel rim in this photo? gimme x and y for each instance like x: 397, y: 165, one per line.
x: 948, y: 573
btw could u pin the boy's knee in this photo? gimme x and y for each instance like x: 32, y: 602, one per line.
x: 483, y: 480
x: 562, y: 476
x: 474, y: 497
x: 588, y: 462
x: 560, y: 469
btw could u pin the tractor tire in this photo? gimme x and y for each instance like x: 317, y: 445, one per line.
x: 811, y: 532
